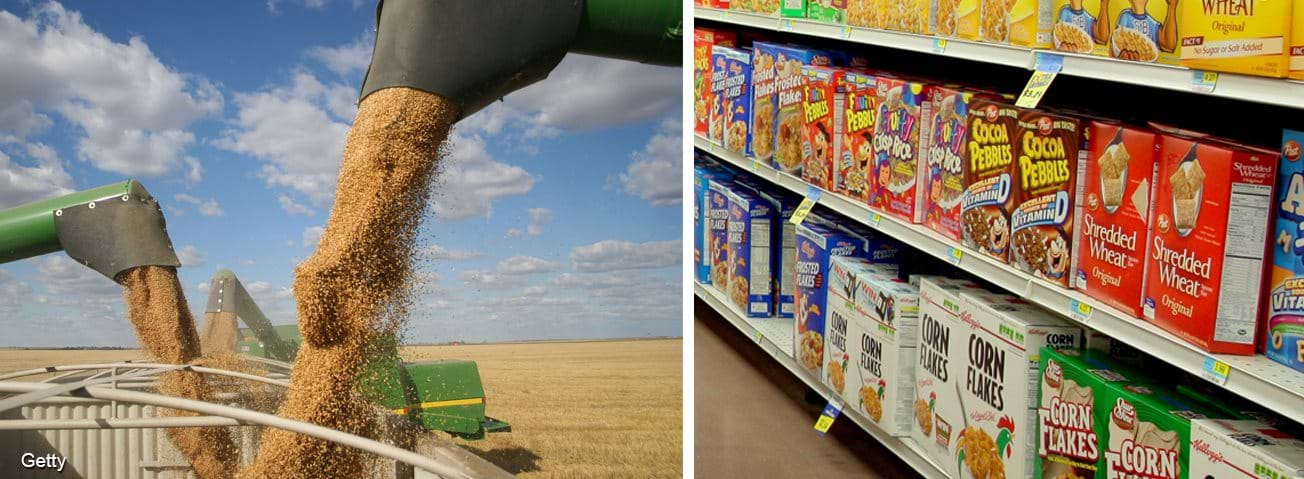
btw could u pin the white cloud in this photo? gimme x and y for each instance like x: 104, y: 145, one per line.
x: 207, y: 207
x: 470, y: 181
x: 614, y: 255
x: 293, y: 208
x: 21, y: 183
x: 515, y: 232
x: 313, y: 4
x: 11, y: 291
x: 594, y: 282
x: 656, y: 170
x: 348, y: 61
x: 190, y: 256
x: 196, y: 171
x: 479, y: 278
x: 521, y: 265
x: 133, y: 109
x: 312, y: 235
x: 248, y: 262
x: 70, y: 283
x: 441, y: 253
x: 538, y: 218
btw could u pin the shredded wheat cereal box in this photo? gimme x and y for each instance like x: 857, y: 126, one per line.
x: 1235, y: 449
x: 858, y: 121
x: 824, y: 92
x: 751, y: 225
x: 717, y: 214
x: 1238, y: 36
x: 1111, y: 241
x: 1025, y: 23
x: 989, y: 178
x: 1081, y: 26
x: 1285, y: 323
x: 832, y: 11
x: 896, y: 148
x: 844, y: 281
x: 777, y: 98
x: 937, y: 415
x: 882, y: 339
x: 1046, y: 184
x: 1146, y: 30
x: 942, y: 143
x: 1205, y: 268
x: 816, y: 245
x: 1071, y: 415
x: 996, y: 347
x: 703, y: 41
x: 735, y: 93
x: 703, y: 245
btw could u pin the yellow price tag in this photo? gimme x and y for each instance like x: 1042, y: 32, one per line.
x: 954, y: 255
x: 759, y: 337
x: 1080, y: 311
x: 803, y: 209
x: 1036, y: 89
x: 939, y: 45
x: 823, y: 424
x: 846, y: 33
x: 1204, y: 81
x: 756, y: 165
x: 1215, y: 371
x: 875, y: 218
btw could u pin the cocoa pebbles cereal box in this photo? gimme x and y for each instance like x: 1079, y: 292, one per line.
x: 1041, y: 225
x: 1110, y: 244
x: 896, y: 148
x: 778, y: 117
x: 844, y: 286
x: 883, y: 339
x: 824, y: 92
x: 735, y: 99
x: 858, y: 119
x: 1205, y: 269
x: 1243, y: 449
x: 703, y: 40
x: 937, y: 416
x: 942, y: 144
x: 816, y: 245
x: 989, y: 178
x: 1285, y: 325
x: 717, y: 214
x: 751, y: 226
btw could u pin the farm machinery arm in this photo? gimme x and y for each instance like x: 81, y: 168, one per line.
x: 227, y: 295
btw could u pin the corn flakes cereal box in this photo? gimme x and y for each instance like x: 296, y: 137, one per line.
x: 938, y: 419
x: 1251, y: 37
x: 945, y: 114
x: 858, y: 119
x: 1147, y: 430
x: 989, y: 178
x: 1041, y: 225
x: 1285, y: 322
x: 1081, y: 26
x: 1297, y: 42
x: 1111, y: 245
x: 703, y: 243
x: 704, y: 39
x: 735, y: 99
x: 844, y: 280
x: 1071, y: 415
x: 717, y: 214
x: 1026, y: 23
x: 831, y: 11
x: 1145, y: 30
x: 883, y: 338
x: 824, y: 97
x: 1243, y: 449
x: 997, y: 348
x: 777, y: 98
x: 816, y: 246
x: 751, y: 226
x: 1205, y: 269
x: 896, y: 148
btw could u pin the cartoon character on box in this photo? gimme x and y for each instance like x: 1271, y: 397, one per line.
x: 1285, y: 325
x: 896, y: 142
x: 1138, y: 35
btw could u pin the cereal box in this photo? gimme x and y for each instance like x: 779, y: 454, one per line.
x: 989, y: 178
x: 875, y: 247
x: 1297, y: 42
x: 858, y: 120
x: 942, y: 143
x: 792, y: 8
x: 824, y: 97
x: 816, y: 244
x: 1285, y: 323
x: 1205, y: 268
x: 896, y: 148
x: 1116, y: 350
x: 955, y: 18
x: 882, y: 338
x: 937, y: 415
x: 1025, y: 23
x: 844, y: 280
x: 765, y: 7
x: 1041, y: 225
x: 832, y: 11
x: 865, y: 13
x: 1111, y: 245
x: 716, y: 109
x: 1081, y: 26
x: 910, y: 16
x: 751, y: 224
x: 703, y: 40
x: 1145, y: 30
x: 777, y: 97
x: 1243, y: 449
x: 996, y: 348
x: 722, y: 4
x: 717, y: 214
x: 735, y: 102
x: 785, y: 250
x: 1239, y: 36
x: 703, y: 175
x: 1146, y: 430
x: 1071, y: 415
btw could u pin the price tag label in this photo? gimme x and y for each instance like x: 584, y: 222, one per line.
x: 813, y: 193
x: 1204, y: 81
x: 1215, y: 371
x: 875, y: 218
x: 803, y: 209
x: 1045, y: 69
x: 756, y: 165
x: 1080, y: 311
x: 759, y: 337
x: 831, y: 412
x: 939, y: 45
x: 846, y: 33
x: 954, y: 255
x: 786, y: 25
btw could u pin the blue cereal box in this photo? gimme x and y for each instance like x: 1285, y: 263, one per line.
x: 716, y: 113
x: 777, y: 94
x: 751, y: 279
x: 703, y: 173
x: 816, y: 244
x: 736, y: 104
x: 873, y: 246
x: 717, y: 239
x: 785, y: 249
x: 1285, y: 325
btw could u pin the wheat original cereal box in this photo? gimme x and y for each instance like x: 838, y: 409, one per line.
x: 937, y: 415
x: 1233, y: 449
x: 1284, y: 327
x: 1205, y: 268
x: 824, y: 97
x: 1072, y: 413
x: 942, y: 143
x: 1251, y: 37
x: 777, y: 98
x: 1297, y: 42
x: 736, y: 99
x: 703, y: 41
x: 896, y: 148
x: 883, y: 337
x: 1146, y: 30
x: 1111, y: 245
x: 751, y: 226
x: 989, y: 178
x: 816, y: 245
x: 1081, y: 26
x: 1045, y: 186
x: 858, y: 119
x: 1026, y: 23
x: 843, y: 286
x: 717, y: 217
x: 996, y: 348
x: 703, y: 241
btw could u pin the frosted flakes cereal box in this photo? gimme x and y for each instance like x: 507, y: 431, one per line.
x: 942, y: 143
x: 1025, y: 23
x: 831, y: 11
x: 844, y: 280
x: 1205, y: 269
x: 703, y: 41
x: 716, y: 113
x: 717, y: 214
x: 858, y: 119
x: 883, y: 337
x: 703, y: 242
x: 1072, y: 413
x: 873, y: 246
x: 937, y: 415
x: 1041, y: 225
x: 1111, y: 245
x: 1238, y: 36
x: 777, y: 97
x: 816, y: 245
x: 1285, y: 323
x: 1146, y: 30
x: 989, y: 178
x: 824, y: 97
x: 1222, y: 448
x: 735, y: 99
x: 785, y: 250
x: 1081, y: 26
x: 997, y: 351
x: 751, y: 222
x: 896, y: 148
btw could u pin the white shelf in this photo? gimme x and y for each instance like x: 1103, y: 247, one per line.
x: 1257, y: 378
x: 1271, y: 91
x: 904, y: 448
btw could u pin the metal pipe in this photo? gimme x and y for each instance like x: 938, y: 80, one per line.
x: 198, y: 369
x: 644, y: 31
x: 28, y: 230
x: 138, y: 423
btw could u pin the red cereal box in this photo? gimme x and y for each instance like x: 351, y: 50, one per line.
x: 896, y: 148
x: 1110, y: 243
x: 703, y: 40
x: 849, y: 177
x: 1205, y: 268
x: 823, y: 98
x: 1046, y: 183
x: 988, y: 178
x: 942, y: 142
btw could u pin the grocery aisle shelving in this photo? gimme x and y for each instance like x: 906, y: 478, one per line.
x: 1271, y: 385
x: 1271, y: 91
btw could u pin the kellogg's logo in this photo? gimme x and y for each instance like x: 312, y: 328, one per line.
x: 717, y: 200
x: 807, y: 250
x: 1291, y: 150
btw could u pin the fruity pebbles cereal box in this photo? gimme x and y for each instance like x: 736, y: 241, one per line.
x: 1285, y: 324
x: 858, y: 119
x: 824, y: 92
x: 1041, y: 226
x: 896, y: 148
x: 989, y: 177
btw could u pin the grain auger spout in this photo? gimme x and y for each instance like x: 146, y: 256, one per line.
x: 228, y: 301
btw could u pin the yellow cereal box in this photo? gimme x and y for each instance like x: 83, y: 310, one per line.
x: 1082, y: 26
x: 1238, y: 36
x: 955, y: 19
x: 1297, y: 42
x: 1025, y: 23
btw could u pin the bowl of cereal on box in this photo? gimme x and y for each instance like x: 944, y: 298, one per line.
x: 1130, y: 44
x: 1187, y: 182
x: 1071, y: 38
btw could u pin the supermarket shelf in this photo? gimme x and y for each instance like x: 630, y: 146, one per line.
x: 1271, y: 385
x: 904, y: 448
x: 1271, y: 91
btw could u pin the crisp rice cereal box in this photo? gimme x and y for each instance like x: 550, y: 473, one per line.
x: 703, y: 40
x: 1025, y: 23
x: 844, y: 280
x: 1046, y: 184
x: 1234, y: 449
x: 896, y: 148
x: 942, y: 143
x: 989, y: 178
x: 1111, y: 245
x: 717, y: 214
x: 832, y: 11
x: 751, y: 224
x: 703, y: 175
x: 1146, y: 31
x: 882, y: 338
x: 816, y: 245
x: 777, y: 97
x: 937, y: 416
x: 1070, y: 414
x: 736, y: 99
x: 1205, y: 269
x: 824, y: 92
x: 858, y: 119
x: 1238, y: 36
x: 1081, y: 27
x: 996, y: 351
x: 1285, y: 324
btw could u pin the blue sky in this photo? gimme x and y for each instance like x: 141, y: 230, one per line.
x: 557, y: 215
